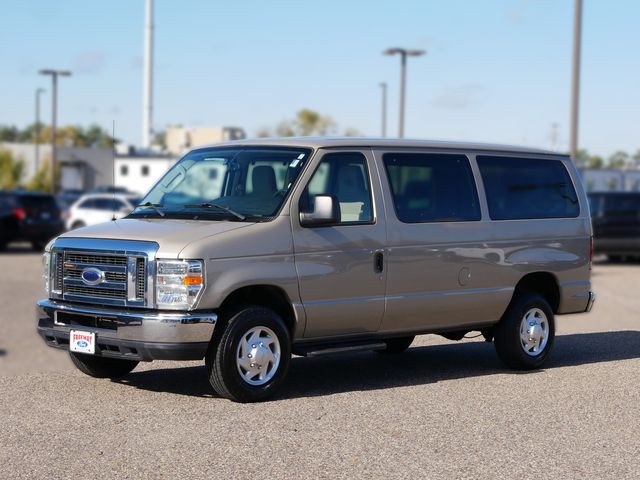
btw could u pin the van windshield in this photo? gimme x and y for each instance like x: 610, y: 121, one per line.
x: 240, y: 184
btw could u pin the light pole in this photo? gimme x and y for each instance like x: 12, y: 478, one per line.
x: 575, y: 82
x: 404, y: 53
x: 383, y: 86
x: 54, y: 113
x: 36, y: 140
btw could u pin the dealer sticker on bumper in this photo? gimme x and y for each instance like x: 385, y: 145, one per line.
x: 82, y: 342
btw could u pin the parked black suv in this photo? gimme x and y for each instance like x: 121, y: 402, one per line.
x: 29, y: 216
x: 616, y: 223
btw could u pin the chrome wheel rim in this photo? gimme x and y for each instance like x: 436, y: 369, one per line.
x: 258, y: 356
x: 534, y: 332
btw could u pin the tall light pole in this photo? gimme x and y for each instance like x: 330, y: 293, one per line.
x: 147, y: 81
x: 404, y: 53
x: 383, y: 86
x: 54, y: 114
x: 36, y: 140
x: 575, y: 82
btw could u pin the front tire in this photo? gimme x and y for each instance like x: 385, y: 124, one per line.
x: 247, y: 361
x: 525, y: 335
x: 102, y: 367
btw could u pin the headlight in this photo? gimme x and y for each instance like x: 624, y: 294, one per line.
x: 178, y: 283
x: 46, y: 271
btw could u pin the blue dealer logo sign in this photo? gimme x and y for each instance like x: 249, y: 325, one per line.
x: 92, y: 276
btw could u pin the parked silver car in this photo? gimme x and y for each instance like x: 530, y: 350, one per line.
x: 247, y: 252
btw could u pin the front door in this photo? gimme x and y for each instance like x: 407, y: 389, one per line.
x: 340, y: 267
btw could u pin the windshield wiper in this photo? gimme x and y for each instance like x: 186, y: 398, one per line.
x: 155, y: 206
x: 219, y: 207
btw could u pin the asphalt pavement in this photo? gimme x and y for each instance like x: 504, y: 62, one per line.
x: 441, y: 410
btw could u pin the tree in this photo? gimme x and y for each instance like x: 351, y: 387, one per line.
x: 636, y: 157
x: 70, y: 136
x: 11, y: 170
x: 306, y: 123
x: 619, y: 159
x: 160, y: 139
x: 41, y: 180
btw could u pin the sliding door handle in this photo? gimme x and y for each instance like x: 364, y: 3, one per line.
x: 378, y: 262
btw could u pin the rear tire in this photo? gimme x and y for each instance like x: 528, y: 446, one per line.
x: 524, y: 337
x: 102, y: 367
x: 615, y: 258
x: 397, y: 345
x: 38, y: 245
x: 248, y: 358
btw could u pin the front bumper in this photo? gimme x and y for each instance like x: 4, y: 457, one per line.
x: 135, y: 335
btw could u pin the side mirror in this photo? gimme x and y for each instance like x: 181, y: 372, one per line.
x: 326, y: 211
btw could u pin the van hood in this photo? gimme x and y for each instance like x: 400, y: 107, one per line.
x: 173, y: 235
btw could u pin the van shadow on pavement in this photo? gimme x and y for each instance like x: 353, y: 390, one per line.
x: 319, y: 376
x: 3, y: 352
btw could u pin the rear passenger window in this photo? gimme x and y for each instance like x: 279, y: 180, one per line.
x: 522, y: 188
x: 432, y: 187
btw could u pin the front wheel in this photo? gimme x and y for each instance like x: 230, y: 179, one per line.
x: 248, y: 359
x: 525, y: 335
x: 102, y: 367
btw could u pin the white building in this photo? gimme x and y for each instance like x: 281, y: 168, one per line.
x: 139, y: 173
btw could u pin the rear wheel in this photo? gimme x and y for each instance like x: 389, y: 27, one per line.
x: 397, y: 345
x: 102, y: 367
x: 525, y: 335
x: 615, y: 258
x: 247, y: 361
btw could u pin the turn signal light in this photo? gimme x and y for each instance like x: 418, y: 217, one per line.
x: 191, y: 280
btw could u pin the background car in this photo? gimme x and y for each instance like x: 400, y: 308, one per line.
x: 67, y: 197
x: 616, y: 224
x: 96, y: 208
x: 29, y: 216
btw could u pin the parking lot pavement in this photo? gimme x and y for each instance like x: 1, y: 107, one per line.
x: 441, y: 410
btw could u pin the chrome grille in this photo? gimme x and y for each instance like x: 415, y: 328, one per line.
x: 123, y: 278
x: 95, y: 259
x: 140, y: 277
x: 95, y: 292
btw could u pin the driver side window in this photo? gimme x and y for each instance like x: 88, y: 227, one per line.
x: 345, y: 177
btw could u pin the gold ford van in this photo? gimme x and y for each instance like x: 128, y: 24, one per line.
x: 247, y: 252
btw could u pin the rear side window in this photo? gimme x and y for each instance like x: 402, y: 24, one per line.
x: 522, y: 188
x: 432, y: 187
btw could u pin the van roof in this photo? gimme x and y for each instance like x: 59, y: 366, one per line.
x: 332, y: 142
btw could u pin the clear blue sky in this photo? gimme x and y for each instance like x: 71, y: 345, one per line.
x: 496, y: 70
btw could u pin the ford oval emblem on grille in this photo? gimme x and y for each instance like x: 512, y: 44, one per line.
x: 92, y: 276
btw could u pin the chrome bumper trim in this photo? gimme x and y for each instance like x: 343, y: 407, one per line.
x: 143, y: 326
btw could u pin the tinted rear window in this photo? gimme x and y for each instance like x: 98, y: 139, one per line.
x: 432, y: 187
x: 621, y: 205
x: 38, y: 201
x: 522, y: 188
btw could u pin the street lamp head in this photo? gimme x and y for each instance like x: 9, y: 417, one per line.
x: 51, y: 71
x: 393, y: 51
x: 415, y: 52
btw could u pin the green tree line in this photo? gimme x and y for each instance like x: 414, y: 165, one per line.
x: 618, y: 159
x: 12, y: 174
x: 68, y: 136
